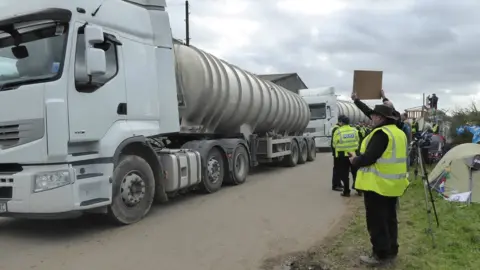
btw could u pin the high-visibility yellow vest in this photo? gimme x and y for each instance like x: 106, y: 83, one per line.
x: 345, y: 139
x: 388, y: 176
x: 414, y: 127
x: 363, y: 132
x: 435, y: 128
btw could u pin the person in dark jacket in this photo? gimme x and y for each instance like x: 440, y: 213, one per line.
x: 368, y: 111
x: 382, y: 182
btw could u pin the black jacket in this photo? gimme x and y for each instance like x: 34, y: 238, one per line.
x: 331, y: 140
x: 368, y: 111
x: 375, y: 148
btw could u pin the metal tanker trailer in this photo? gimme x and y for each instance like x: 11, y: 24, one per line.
x: 350, y: 110
x: 217, y: 97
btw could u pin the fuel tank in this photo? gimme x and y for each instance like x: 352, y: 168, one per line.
x: 349, y: 109
x: 217, y: 97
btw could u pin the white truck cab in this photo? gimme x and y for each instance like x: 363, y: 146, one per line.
x: 63, y: 111
x: 323, y: 114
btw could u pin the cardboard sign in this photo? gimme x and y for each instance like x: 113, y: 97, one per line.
x: 367, y: 84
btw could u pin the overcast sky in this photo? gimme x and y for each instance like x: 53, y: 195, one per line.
x: 423, y: 46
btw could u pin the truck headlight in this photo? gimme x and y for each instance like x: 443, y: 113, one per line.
x: 50, y: 180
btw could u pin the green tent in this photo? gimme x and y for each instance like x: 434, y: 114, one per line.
x: 457, y: 172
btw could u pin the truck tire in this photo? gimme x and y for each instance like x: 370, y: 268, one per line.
x: 214, y: 171
x: 292, y: 159
x: 241, y: 166
x: 312, y: 150
x: 133, y: 190
x: 303, y: 153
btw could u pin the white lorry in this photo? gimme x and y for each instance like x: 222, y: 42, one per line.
x: 325, y: 108
x: 103, y: 113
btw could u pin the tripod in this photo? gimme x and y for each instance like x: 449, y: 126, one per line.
x: 416, y: 147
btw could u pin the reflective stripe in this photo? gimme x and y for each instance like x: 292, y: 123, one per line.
x: 346, y: 147
x: 394, y: 158
x: 374, y: 171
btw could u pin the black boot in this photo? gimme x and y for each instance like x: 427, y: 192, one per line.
x: 337, y: 188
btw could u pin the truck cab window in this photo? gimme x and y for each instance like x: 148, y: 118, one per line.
x: 31, y: 52
x: 83, y: 82
x: 318, y: 111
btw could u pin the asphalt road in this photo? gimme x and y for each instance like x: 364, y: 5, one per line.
x: 278, y: 210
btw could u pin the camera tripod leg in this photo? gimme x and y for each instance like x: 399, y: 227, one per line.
x: 428, y: 198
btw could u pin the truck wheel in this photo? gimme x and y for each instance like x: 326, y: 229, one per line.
x: 312, y: 151
x: 133, y: 190
x: 214, y: 171
x: 241, y: 166
x: 302, y: 157
x: 292, y: 159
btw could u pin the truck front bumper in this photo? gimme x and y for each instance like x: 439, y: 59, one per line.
x: 54, y: 190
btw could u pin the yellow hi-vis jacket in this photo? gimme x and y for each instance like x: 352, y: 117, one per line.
x: 345, y: 139
x: 388, y: 176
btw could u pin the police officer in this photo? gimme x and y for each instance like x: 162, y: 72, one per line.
x: 414, y: 127
x: 382, y: 175
x: 336, y: 183
x: 435, y: 128
x: 345, y: 140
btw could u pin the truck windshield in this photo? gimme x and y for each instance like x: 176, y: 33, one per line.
x: 40, y: 58
x: 318, y: 111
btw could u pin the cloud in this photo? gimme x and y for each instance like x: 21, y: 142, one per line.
x: 423, y: 46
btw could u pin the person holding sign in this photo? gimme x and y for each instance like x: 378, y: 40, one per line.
x: 382, y: 176
x: 345, y: 140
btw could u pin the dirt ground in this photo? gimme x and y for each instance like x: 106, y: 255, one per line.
x: 278, y: 211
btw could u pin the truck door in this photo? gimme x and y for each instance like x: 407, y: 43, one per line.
x: 317, y: 116
x: 96, y: 102
x: 329, y: 121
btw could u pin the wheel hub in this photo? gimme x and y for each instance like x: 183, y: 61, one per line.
x: 213, y: 168
x: 240, y: 164
x: 132, y: 189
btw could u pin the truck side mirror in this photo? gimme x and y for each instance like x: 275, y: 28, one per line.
x: 95, y: 59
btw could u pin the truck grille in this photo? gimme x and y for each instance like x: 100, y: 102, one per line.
x: 9, y: 135
x: 21, y: 132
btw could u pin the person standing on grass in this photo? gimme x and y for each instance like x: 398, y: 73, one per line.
x: 382, y: 176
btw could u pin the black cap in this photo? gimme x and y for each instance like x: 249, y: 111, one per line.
x: 344, y: 119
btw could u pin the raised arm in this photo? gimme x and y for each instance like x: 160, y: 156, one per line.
x: 361, y: 106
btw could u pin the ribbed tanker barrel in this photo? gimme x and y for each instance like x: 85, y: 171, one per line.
x: 217, y: 97
x: 350, y: 110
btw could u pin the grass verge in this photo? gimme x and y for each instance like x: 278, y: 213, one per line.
x: 457, y: 239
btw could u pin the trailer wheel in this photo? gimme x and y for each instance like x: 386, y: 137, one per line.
x: 292, y: 159
x: 214, y: 171
x: 303, y: 155
x: 241, y: 166
x: 133, y: 190
x: 312, y: 150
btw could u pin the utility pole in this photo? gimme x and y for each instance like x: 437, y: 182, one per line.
x: 423, y: 104
x: 187, y: 23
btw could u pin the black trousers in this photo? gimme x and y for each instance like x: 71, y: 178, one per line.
x: 354, y: 171
x: 335, y: 176
x: 342, y: 170
x: 382, y: 224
